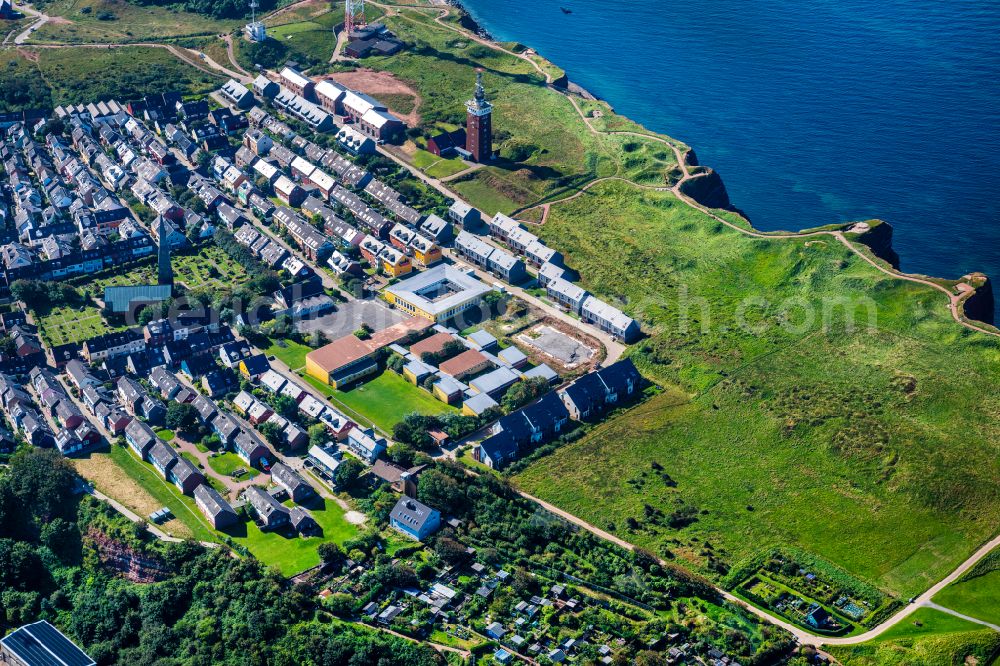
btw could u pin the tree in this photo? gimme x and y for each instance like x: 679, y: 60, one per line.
x: 318, y: 435
x: 273, y: 433
x: 181, y: 416
x: 43, y: 483
x: 286, y: 406
x: 62, y: 538
x: 437, y: 489
x: 331, y: 553
x: 401, y: 453
x: 396, y: 363
x: 364, y: 332
x: 522, y: 393
x: 348, y: 472
x: 413, y: 429
x: 449, y: 550
x: 494, y: 300
x: 147, y: 314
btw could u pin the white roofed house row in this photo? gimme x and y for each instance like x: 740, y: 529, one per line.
x: 297, y: 82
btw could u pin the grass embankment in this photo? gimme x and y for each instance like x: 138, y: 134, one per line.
x: 869, y: 448
x: 926, y: 638
x: 120, y: 21
x: 49, y: 77
x: 112, y: 479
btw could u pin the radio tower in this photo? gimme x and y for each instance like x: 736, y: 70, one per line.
x: 255, y: 29
x: 354, y: 16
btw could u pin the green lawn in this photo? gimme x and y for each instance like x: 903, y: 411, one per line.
x: 292, y: 553
x: 386, y: 399
x: 61, y: 324
x: 289, y: 554
x: 435, y: 166
x: 289, y: 352
x: 165, y: 435
x: 926, y: 638
x: 224, y: 464
x: 423, y: 159
x: 445, y: 168
x: 976, y: 594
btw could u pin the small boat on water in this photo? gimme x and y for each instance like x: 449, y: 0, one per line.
x: 566, y: 11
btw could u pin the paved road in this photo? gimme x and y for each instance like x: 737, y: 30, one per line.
x: 968, y: 618
x: 42, y: 20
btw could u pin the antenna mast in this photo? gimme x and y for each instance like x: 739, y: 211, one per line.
x: 354, y: 16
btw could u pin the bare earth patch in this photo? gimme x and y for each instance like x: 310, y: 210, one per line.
x: 31, y: 56
x: 298, y: 11
x: 381, y: 83
x: 355, y: 517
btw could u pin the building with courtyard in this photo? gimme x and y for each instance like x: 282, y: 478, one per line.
x: 438, y: 294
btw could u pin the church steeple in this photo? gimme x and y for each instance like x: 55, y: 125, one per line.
x: 165, y: 272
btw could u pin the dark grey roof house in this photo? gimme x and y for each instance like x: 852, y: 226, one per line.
x: 215, y: 508
x: 269, y: 511
x: 41, y: 644
x: 286, y: 477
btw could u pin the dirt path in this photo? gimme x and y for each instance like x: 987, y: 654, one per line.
x: 232, y: 485
x: 464, y: 172
x: 804, y: 637
x: 955, y: 300
x: 967, y: 618
x: 232, y: 58
x: 196, y: 59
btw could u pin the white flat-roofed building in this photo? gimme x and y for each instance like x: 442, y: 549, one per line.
x: 437, y: 294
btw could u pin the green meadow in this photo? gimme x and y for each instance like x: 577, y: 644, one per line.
x: 869, y: 445
x: 926, y: 638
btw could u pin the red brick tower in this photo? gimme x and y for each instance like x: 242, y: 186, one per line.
x: 479, y: 124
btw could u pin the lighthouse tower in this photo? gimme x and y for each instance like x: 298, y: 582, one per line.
x: 479, y: 124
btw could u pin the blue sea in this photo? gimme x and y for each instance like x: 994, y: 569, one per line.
x: 812, y: 111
